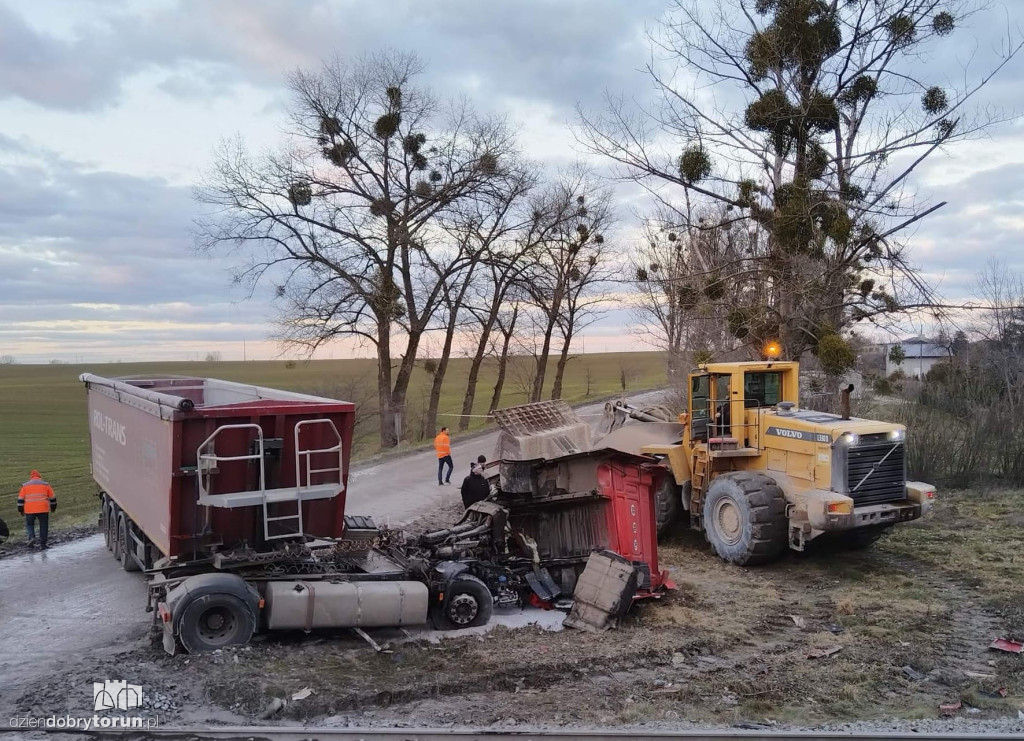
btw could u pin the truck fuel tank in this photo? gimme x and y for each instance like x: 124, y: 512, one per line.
x: 351, y: 604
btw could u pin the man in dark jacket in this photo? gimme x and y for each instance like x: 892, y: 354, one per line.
x: 475, y: 487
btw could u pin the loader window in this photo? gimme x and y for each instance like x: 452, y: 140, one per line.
x: 700, y: 392
x: 763, y: 388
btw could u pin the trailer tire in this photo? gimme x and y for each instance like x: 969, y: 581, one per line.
x: 667, y: 503
x: 467, y: 604
x: 745, y: 518
x: 213, y: 621
x: 115, y: 533
x: 126, y: 547
x: 109, y: 524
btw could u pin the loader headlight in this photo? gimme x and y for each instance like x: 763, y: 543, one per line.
x: 897, y: 435
x: 850, y: 438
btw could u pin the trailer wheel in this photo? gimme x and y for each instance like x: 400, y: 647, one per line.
x: 667, y: 503
x: 214, y: 621
x: 109, y: 524
x: 115, y: 533
x: 468, y: 603
x: 745, y: 517
x: 125, y: 545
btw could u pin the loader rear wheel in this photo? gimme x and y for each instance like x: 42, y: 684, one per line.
x: 214, y: 621
x: 667, y: 503
x: 745, y: 517
x: 467, y: 604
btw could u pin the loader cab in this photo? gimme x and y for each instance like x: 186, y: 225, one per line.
x: 726, y: 398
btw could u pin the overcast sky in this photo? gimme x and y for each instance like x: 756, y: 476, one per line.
x: 109, y: 113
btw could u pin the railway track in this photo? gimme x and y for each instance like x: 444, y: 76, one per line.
x: 285, y: 733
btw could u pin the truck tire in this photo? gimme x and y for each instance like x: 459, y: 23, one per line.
x: 745, y: 517
x: 109, y: 524
x: 468, y: 603
x: 667, y: 503
x: 115, y: 533
x: 126, y: 546
x: 213, y: 621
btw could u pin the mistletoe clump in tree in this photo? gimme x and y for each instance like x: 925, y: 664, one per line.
x: 830, y: 111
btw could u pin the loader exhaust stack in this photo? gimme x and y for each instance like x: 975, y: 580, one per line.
x: 844, y: 401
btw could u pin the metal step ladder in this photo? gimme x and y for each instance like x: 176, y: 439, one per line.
x: 303, y: 490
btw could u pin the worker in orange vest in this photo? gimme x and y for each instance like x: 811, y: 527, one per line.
x: 36, y: 501
x: 443, y: 446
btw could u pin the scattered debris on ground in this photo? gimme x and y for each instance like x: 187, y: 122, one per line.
x: 914, y: 623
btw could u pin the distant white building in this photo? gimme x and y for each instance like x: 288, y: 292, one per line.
x: 920, y: 354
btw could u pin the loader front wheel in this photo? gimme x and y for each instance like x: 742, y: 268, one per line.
x: 667, y: 503
x: 745, y: 518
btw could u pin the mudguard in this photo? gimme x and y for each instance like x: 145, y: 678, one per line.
x: 202, y: 584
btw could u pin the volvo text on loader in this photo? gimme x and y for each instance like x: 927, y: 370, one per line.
x: 758, y: 474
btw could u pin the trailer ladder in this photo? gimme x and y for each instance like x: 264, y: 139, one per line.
x: 303, y: 490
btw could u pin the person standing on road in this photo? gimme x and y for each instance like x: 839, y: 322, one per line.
x: 36, y: 501
x: 475, y: 487
x: 443, y: 446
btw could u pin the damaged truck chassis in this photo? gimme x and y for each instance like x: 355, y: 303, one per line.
x: 232, y: 499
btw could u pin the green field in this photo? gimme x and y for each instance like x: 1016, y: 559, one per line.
x: 43, y: 419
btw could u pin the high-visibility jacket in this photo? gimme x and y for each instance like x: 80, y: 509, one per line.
x: 442, y: 444
x: 36, y: 496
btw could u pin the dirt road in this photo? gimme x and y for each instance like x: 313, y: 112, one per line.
x: 73, y: 599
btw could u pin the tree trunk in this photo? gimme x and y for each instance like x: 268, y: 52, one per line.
x: 401, y: 387
x: 499, y: 382
x: 542, y: 362
x: 563, y: 360
x: 388, y: 436
x: 474, y: 367
x: 430, y: 420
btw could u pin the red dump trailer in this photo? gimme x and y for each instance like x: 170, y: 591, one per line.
x: 232, y: 498
x: 193, y: 464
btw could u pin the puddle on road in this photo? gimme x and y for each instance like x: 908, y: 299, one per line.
x: 64, y: 553
x: 549, y: 620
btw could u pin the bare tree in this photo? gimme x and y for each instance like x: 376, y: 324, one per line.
x: 506, y: 324
x: 345, y: 218
x: 570, y: 266
x: 686, y: 287
x: 508, y: 230
x: 806, y: 119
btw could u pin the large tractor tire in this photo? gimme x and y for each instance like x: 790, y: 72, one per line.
x: 667, y: 503
x: 745, y: 518
x: 468, y: 603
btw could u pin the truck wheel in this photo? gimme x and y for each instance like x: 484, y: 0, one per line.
x: 468, y: 603
x: 666, y: 503
x: 109, y: 525
x: 126, y: 546
x: 115, y: 533
x: 745, y: 517
x: 214, y: 621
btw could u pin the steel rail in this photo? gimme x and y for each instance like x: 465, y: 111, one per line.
x: 315, y: 733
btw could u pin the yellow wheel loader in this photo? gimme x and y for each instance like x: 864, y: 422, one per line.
x: 757, y: 474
